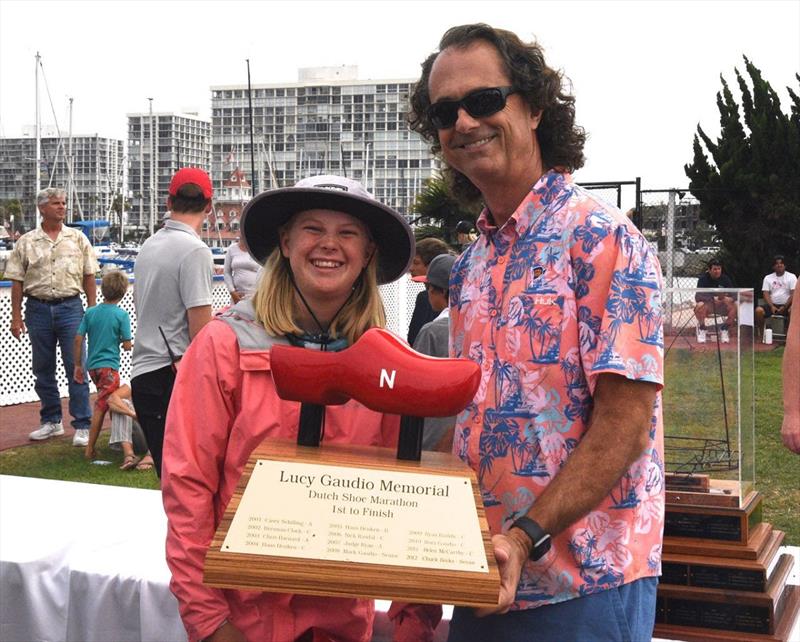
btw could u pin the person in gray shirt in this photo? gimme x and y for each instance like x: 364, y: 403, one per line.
x: 433, y: 340
x: 241, y: 271
x: 172, y: 295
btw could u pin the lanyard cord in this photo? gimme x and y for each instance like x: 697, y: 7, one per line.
x: 324, y: 337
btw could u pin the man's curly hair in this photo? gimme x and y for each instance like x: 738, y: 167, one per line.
x: 560, y: 139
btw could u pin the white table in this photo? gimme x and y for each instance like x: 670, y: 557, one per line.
x: 85, y: 563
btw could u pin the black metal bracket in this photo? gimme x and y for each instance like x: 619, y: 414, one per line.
x: 309, y: 432
x: 409, y: 444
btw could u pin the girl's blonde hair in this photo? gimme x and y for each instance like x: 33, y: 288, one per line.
x: 274, y: 302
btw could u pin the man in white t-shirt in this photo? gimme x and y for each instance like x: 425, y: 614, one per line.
x: 778, y: 289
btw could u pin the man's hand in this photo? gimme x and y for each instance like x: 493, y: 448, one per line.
x: 790, y: 432
x: 236, y: 297
x: 17, y: 328
x: 511, y: 555
x: 226, y: 633
x: 77, y: 374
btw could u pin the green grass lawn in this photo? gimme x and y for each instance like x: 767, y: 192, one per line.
x: 777, y: 469
x: 59, y: 459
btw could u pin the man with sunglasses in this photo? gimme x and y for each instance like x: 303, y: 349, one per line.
x: 558, y: 300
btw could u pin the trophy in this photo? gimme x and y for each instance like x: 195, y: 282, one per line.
x: 360, y: 521
x: 723, y: 578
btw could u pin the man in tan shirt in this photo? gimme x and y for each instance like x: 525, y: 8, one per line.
x: 51, y: 265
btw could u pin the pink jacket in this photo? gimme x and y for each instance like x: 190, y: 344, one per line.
x: 223, y: 405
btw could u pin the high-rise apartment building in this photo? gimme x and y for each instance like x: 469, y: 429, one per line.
x: 327, y: 122
x: 179, y: 140
x: 97, y: 174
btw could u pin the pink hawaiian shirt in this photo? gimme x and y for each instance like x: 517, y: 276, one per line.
x: 565, y: 290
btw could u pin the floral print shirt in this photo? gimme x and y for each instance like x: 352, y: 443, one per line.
x: 51, y: 269
x: 565, y: 290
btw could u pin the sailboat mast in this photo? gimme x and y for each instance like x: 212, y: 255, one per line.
x: 366, y: 168
x: 38, y: 128
x: 70, y: 183
x: 152, y: 169
x: 252, y: 146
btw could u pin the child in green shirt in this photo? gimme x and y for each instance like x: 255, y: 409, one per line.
x: 106, y: 325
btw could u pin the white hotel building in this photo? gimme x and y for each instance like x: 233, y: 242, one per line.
x: 326, y: 122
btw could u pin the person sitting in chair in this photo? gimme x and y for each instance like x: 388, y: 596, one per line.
x: 778, y: 290
x: 708, y: 303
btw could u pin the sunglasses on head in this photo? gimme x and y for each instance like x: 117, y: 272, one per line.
x: 478, y: 104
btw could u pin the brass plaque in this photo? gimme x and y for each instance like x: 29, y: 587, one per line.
x: 349, y: 514
x: 713, y: 615
x: 721, y: 527
x: 710, y: 576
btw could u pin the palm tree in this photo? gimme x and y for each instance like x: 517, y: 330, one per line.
x: 435, y: 202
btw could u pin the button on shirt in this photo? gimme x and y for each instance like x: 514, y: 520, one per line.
x: 565, y: 290
x: 51, y: 269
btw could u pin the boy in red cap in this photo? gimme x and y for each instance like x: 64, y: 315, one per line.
x: 172, y: 294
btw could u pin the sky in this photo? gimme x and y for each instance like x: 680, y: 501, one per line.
x: 644, y: 73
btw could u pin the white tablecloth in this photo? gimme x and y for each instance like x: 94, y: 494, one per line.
x: 85, y: 563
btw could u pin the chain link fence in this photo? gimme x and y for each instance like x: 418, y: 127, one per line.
x: 670, y: 220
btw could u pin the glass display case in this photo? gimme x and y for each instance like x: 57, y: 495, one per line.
x: 709, y: 394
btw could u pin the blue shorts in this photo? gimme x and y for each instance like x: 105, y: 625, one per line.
x: 623, y: 614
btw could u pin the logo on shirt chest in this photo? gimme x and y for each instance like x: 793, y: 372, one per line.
x: 545, y: 299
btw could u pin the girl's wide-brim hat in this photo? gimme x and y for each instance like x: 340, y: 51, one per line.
x: 266, y: 213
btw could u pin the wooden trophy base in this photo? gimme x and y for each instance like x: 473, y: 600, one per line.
x: 707, y: 571
x: 712, y: 521
x: 739, y: 612
x: 759, y: 536
x: 784, y: 624
x: 722, y: 576
x: 344, y: 524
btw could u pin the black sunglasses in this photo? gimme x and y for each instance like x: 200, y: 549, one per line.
x: 478, y: 104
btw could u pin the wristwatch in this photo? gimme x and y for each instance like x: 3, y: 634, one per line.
x: 540, y: 538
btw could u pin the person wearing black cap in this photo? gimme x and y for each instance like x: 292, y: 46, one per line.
x: 425, y: 251
x: 326, y: 245
x: 465, y: 234
x: 172, y: 295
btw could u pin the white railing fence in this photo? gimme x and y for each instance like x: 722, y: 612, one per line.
x: 16, y: 377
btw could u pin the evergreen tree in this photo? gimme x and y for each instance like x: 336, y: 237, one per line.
x: 749, y: 188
